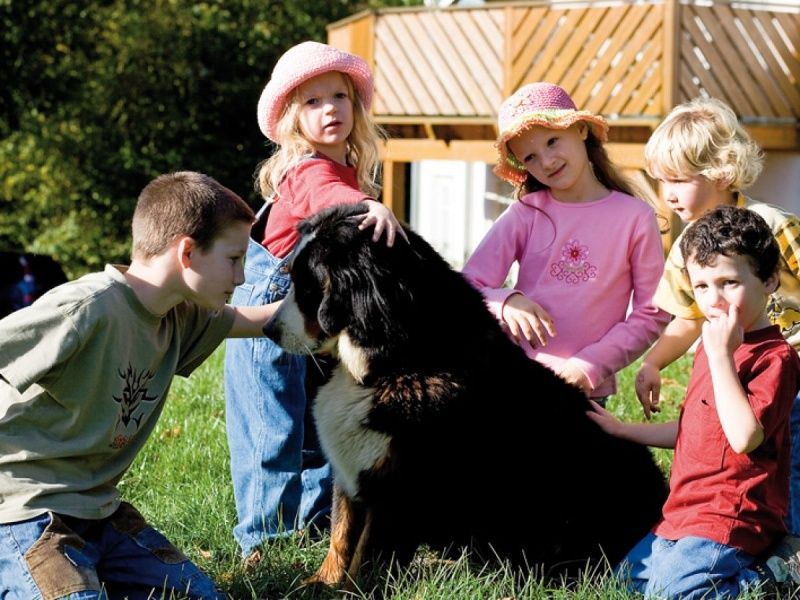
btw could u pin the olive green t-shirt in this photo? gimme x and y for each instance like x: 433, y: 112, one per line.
x: 84, y: 373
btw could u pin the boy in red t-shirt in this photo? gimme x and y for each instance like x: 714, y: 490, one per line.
x: 730, y: 472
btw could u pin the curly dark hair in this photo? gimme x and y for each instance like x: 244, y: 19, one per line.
x: 731, y: 231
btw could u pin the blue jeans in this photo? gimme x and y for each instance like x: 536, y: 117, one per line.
x: 56, y: 556
x: 281, y: 480
x: 689, y: 568
x: 793, y: 516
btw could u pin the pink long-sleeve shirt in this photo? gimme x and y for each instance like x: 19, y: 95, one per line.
x: 586, y: 264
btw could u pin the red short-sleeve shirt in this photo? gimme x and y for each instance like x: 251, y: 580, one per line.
x: 313, y: 184
x: 735, y: 499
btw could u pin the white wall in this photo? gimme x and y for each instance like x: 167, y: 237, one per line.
x: 779, y: 182
x: 453, y: 204
x: 439, y: 204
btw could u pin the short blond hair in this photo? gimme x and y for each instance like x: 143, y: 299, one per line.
x: 704, y: 137
x: 184, y: 204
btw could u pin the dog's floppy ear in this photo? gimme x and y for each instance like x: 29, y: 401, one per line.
x: 334, y: 310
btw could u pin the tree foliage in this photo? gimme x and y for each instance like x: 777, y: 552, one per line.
x: 97, y: 98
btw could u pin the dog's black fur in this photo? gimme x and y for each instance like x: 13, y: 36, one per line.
x: 485, y: 447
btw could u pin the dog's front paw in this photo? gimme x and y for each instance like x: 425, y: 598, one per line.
x: 321, y: 580
x: 331, y: 576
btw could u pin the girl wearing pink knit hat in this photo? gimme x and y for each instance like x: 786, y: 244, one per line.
x: 315, y: 110
x: 589, y: 253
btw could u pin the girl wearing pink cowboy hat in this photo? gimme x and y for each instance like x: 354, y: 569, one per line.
x: 586, y: 248
x: 315, y: 110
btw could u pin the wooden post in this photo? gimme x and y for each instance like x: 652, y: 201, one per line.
x: 508, y: 51
x: 355, y: 35
x: 366, y: 34
x: 394, y: 186
x: 671, y: 98
x: 671, y: 55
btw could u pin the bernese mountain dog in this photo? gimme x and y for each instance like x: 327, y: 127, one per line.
x: 440, y: 430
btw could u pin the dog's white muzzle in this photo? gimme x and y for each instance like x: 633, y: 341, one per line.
x: 287, y: 328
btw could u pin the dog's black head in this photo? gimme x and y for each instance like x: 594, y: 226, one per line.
x: 341, y: 280
x: 349, y: 291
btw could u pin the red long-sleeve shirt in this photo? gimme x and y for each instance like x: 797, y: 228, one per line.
x: 313, y: 184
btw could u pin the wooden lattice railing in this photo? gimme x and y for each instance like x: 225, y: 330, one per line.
x: 614, y: 70
x: 439, y: 62
x: 748, y: 57
x: 629, y: 61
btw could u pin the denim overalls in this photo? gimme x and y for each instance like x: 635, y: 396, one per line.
x: 281, y: 481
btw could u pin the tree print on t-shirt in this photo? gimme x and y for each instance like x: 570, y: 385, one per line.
x: 130, y: 402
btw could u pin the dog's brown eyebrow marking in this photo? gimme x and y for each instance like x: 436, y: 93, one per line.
x: 326, y: 283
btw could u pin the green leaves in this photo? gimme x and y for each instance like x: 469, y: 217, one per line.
x: 97, y: 98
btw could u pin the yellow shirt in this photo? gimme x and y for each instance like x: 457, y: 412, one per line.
x: 675, y: 294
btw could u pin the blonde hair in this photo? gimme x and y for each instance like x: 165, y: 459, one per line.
x: 184, y: 204
x: 292, y: 147
x: 704, y: 137
x: 604, y: 170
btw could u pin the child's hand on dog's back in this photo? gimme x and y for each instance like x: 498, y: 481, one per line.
x: 604, y: 419
x: 384, y: 220
x: 526, y: 319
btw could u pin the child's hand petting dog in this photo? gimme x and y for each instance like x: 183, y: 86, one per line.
x: 528, y: 320
x: 604, y: 419
x: 383, y: 219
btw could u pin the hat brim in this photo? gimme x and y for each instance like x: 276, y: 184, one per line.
x: 276, y: 93
x: 512, y: 170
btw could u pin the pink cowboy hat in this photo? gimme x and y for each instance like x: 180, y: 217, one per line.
x: 300, y: 63
x: 542, y: 104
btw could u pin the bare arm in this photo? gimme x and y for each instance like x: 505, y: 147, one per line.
x: 248, y: 321
x: 721, y: 336
x: 659, y: 435
x: 677, y: 338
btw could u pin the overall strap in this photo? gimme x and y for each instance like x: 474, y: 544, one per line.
x: 257, y: 231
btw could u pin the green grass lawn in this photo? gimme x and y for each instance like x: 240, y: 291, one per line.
x: 181, y: 483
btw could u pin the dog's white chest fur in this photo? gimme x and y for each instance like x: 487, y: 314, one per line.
x: 341, y: 409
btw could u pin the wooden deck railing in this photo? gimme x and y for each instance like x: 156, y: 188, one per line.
x: 442, y: 73
x: 629, y: 61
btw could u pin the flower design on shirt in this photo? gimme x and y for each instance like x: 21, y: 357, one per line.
x: 573, y: 252
x: 574, y: 266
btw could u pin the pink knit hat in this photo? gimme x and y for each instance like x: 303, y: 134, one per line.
x: 300, y: 63
x: 542, y: 104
